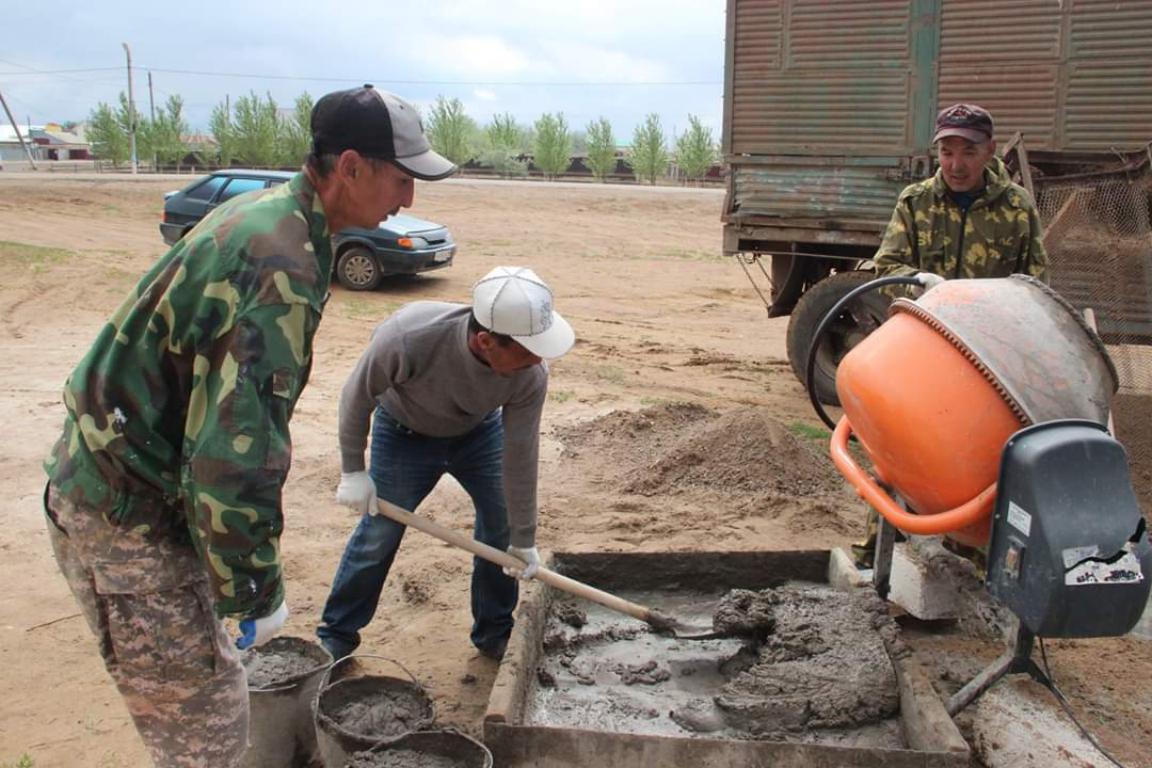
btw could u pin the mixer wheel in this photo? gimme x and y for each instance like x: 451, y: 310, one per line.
x: 859, y: 319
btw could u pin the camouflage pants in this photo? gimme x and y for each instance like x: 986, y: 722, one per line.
x: 149, y: 605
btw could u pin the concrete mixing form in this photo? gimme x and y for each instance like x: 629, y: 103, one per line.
x: 580, y: 686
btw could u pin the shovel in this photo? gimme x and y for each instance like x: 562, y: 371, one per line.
x: 661, y: 623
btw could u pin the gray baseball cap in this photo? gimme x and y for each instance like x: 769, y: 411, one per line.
x: 376, y: 124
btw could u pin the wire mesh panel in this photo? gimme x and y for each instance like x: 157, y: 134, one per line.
x: 1099, y: 242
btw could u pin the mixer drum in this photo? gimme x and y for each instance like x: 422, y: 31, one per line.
x: 935, y: 392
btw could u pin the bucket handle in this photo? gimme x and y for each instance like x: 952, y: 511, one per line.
x: 342, y: 659
x: 968, y: 513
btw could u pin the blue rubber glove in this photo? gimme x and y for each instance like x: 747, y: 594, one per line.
x: 259, y: 631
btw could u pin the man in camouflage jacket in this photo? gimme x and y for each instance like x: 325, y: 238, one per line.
x: 969, y: 220
x: 164, y: 493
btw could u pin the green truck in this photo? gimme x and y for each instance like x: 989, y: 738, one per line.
x: 828, y: 113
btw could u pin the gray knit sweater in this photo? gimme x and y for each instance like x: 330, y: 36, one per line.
x: 419, y: 369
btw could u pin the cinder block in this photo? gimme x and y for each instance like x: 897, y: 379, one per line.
x: 919, y: 586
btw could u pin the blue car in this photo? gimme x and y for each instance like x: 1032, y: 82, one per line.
x: 401, y: 245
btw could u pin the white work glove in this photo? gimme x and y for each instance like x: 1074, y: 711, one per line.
x: 259, y: 631
x: 356, y: 490
x: 928, y: 279
x: 531, y: 560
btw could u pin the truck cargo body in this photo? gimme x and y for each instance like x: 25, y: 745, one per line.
x: 829, y: 113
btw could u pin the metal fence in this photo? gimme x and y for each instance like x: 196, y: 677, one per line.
x: 1099, y: 242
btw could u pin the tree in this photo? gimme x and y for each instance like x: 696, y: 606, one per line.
x: 124, y: 117
x: 224, y: 132
x: 552, y: 152
x: 168, y: 130
x: 504, y: 131
x: 504, y: 142
x: 649, y: 157
x: 107, y: 136
x: 295, y: 141
x: 256, y: 126
x: 601, y: 148
x: 450, y: 131
x: 695, y: 150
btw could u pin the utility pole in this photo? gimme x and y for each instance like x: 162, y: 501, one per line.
x: 16, y: 128
x: 131, y: 107
x: 151, y: 102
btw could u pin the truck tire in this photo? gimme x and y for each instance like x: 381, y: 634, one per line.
x: 860, y: 318
x: 358, y: 270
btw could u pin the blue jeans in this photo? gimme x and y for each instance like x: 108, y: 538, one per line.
x: 406, y: 467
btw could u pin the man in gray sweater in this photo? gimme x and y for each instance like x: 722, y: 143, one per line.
x: 447, y: 388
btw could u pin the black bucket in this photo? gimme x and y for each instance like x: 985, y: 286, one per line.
x: 357, y: 713
x: 284, y: 675
x: 454, y: 750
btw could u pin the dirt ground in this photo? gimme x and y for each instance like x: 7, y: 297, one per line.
x: 674, y: 424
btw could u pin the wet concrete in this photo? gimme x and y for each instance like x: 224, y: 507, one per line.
x: 281, y: 661
x: 403, y: 758
x: 379, y: 714
x: 810, y: 666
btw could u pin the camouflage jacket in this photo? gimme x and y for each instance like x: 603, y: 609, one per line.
x: 999, y: 235
x: 177, y: 420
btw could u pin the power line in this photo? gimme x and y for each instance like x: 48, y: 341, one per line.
x: 393, y: 81
x: 32, y: 71
x: 390, y: 81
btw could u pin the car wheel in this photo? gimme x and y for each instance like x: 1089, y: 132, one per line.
x: 856, y: 321
x: 357, y: 269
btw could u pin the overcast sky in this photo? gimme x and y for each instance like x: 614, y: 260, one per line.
x: 620, y: 59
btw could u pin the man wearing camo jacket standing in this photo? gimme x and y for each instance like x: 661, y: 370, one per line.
x: 164, y: 493
x: 967, y: 221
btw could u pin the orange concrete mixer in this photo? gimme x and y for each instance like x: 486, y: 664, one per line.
x: 934, y: 393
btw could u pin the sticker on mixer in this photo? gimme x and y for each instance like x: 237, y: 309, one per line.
x: 1019, y: 519
x: 1074, y: 555
x: 1125, y: 570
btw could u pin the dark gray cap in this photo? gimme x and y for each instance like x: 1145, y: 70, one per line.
x: 376, y: 124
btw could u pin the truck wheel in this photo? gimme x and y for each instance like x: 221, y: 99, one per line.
x: 860, y: 318
x: 357, y: 269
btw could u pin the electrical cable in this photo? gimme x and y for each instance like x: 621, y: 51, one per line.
x: 1050, y: 684
x: 822, y: 328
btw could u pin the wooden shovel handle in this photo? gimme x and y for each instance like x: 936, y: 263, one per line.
x: 491, y: 554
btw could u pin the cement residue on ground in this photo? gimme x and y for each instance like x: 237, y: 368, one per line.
x: 822, y: 663
x: 281, y: 661
x: 403, y: 758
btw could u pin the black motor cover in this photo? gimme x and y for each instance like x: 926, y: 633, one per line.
x: 1069, y: 553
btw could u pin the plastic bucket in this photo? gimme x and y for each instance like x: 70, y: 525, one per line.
x: 284, y: 675
x: 452, y: 747
x: 357, y: 713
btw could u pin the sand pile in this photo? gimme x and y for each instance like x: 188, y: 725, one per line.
x: 682, y: 447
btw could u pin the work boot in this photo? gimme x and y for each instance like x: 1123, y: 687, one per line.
x: 338, y: 649
x: 496, y: 650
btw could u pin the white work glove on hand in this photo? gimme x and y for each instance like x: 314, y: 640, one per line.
x: 531, y: 560
x: 259, y: 631
x: 928, y: 279
x: 356, y: 490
